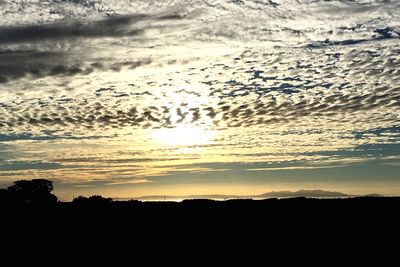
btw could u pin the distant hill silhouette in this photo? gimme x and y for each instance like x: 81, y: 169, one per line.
x: 303, y: 193
x: 273, y: 194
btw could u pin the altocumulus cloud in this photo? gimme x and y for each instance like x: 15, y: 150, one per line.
x: 267, y: 74
x: 322, y: 89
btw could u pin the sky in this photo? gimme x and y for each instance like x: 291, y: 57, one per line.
x: 180, y: 97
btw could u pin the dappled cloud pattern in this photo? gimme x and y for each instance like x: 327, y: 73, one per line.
x: 86, y: 85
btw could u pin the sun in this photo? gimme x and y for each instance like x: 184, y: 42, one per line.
x: 184, y: 135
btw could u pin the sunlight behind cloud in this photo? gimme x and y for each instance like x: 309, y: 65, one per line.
x: 185, y: 135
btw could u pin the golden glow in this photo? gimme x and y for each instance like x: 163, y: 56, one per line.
x: 185, y: 135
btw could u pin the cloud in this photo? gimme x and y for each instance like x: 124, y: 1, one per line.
x: 395, y: 164
x: 297, y: 168
x: 40, y: 64
x: 380, y: 34
x: 65, y: 48
x: 336, y: 94
x: 24, y: 165
x: 110, y: 27
x: 134, y: 181
x: 83, y: 82
x: 121, y: 161
x: 7, y: 152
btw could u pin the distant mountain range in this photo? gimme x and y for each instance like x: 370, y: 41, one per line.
x: 303, y: 193
x: 273, y: 194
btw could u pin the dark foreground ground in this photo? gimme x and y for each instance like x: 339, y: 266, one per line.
x: 30, y: 203
x: 292, y: 224
x: 269, y: 211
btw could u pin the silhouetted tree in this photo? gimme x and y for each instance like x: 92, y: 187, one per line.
x: 37, y: 191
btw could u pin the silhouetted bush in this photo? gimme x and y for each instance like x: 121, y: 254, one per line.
x: 95, y: 200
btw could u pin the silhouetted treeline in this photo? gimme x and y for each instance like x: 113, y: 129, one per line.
x: 92, y: 201
x: 35, y: 197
